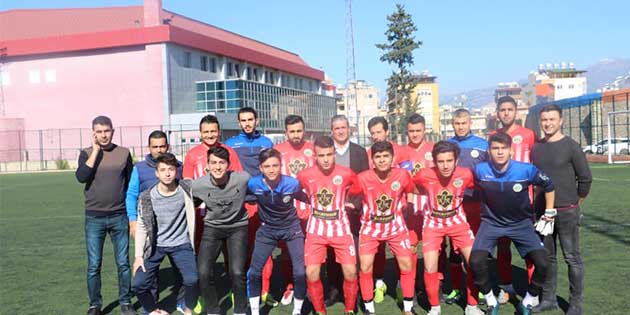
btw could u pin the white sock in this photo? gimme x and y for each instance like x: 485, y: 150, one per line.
x: 254, y: 304
x: 297, y: 306
x: 438, y: 308
x: 491, y: 300
x: 379, y: 283
x: 407, y: 305
x: 369, y: 306
x: 528, y: 299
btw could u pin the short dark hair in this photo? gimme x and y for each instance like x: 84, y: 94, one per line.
x: 292, y: 119
x: 166, y: 158
x: 381, y: 146
x: 416, y: 119
x: 324, y: 142
x: 378, y: 120
x: 461, y: 112
x: 501, y: 137
x: 209, y: 119
x: 551, y: 108
x: 505, y: 99
x: 445, y: 147
x: 158, y: 134
x: 102, y: 120
x: 247, y: 110
x: 267, y: 154
x: 219, y: 152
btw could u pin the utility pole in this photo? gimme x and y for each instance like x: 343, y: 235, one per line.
x: 351, y: 74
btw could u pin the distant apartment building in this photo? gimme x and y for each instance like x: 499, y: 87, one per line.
x: 425, y: 95
x: 359, y: 101
x: 479, y: 118
x: 552, y: 82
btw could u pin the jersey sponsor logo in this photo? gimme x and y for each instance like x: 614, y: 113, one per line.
x: 382, y: 218
x: 286, y: 199
x: 326, y: 215
x: 444, y: 198
x: 458, y: 182
x: 296, y: 166
x: 337, y: 180
x: 428, y: 156
x: 384, y: 203
x: 395, y: 185
x: 474, y: 153
x: 416, y: 168
x: 517, y: 187
x: 308, y: 152
x: 517, y: 139
x: 443, y: 214
x: 325, y: 197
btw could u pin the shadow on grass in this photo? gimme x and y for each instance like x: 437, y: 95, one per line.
x: 601, y: 225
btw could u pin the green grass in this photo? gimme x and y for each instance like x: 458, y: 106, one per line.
x: 43, y: 262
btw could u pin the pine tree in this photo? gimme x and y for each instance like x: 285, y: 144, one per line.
x: 398, y: 50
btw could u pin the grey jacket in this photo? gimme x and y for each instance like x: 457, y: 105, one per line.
x: 146, y: 226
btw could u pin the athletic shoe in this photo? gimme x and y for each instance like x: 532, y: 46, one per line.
x: 453, y: 297
x: 366, y: 312
x: 504, y: 297
x: 333, y: 297
x: 159, y: 312
x: 349, y: 313
x: 481, y: 299
x: 268, y: 300
x: 379, y: 293
x: 545, y: 306
x: 407, y: 313
x: 126, y: 309
x: 524, y: 310
x: 435, y: 311
x: 199, y: 307
x: 287, y: 297
x: 493, y: 310
x: 94, y: 311
x: 180, y: 307
x: 473, y: 310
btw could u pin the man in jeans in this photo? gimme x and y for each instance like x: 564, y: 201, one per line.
x: 562, y: 159
x: 105, y: 169
x: 223, y: 192
x: 165, y: 227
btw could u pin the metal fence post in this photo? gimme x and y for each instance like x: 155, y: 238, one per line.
x: 141, y: 146
x: 20, y: 148
x: 41, y: 149
x: 60, y: 148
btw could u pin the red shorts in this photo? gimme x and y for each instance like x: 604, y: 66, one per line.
x: 399, y: 244
x: 460, y: 235
x: 315, y: 249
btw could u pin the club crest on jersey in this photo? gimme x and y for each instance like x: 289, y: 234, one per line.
x: 337, y: 180
x: 286, y: 199
x: 517, y: 187
x: 308, y: 152
x: 384, y: 203
x: 428, y: 156
x: 458, y: 183
x: 444, y: 198
x: 474, y: 153
x: 416, y: 168
x: 296, y: 166
x: 517, y: 139
x: 395, y: 185
x: 325, y: 197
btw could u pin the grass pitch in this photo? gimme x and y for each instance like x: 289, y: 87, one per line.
x: 43, y: 260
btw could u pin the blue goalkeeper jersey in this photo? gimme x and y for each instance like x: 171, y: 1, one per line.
x: 276, y: 207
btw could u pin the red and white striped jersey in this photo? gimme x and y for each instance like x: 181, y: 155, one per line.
x: 400, y: 155
x: 522, y: 143
x: 327, y: 195
x: 293, y: 162
x: 445, y: 198
x: 384, y: 202
x: 420, y: 158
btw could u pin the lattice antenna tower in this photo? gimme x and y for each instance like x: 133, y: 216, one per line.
x: 351, y: 74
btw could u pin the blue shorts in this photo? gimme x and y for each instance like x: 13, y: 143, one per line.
x: 522, y: 234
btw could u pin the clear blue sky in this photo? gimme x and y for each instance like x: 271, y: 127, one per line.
x: 467, y: 44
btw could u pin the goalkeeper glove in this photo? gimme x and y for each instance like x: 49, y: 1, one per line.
x: 544, y: 226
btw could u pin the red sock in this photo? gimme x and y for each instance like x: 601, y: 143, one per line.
x: 266, y: 276
x: 504, y: 260
x: 367, y: 286
x: 472, y: 293
x: 432, y: 285
x: 316, y: 294
x: 456, y: 275
x: 407, y: 279
x: 530, y: 270
x: 350, y: 291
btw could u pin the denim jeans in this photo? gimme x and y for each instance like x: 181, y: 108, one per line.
x: 96, y: 229
x: 566, y: 228
x: 211, y: 244
x: 183, y: 257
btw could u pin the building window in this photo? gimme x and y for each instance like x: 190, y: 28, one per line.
x: 33, y: 76
x: 255, y: 74
x: 5, y: 79
x: 271, y: 78
x: 187, y: 59
x: 213, y: 65
x: 237, y: 70
x: 571, y: 86
x: 51, y: 76
x: 203, y: 63
x: 248, y: 73
x: 229, y: 70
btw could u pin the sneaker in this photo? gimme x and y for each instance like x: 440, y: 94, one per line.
x: 333, y: 297
x: 453, y: 297
x: 199, y: 307
x: 348, y: 313
x: 159, y: 312
x: 544, y: 306
x: 94, y: 311
x: 287, y: 297
x: 268, y: 300
x: 524, y: 310
x: 473, y: 310
x: 379, y: 293
x: 180, y: 307
x: 493, y: 310
x: 503, y: 297
x: 481, y: 299
x: 126, y: 309
x: 435, y: 311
